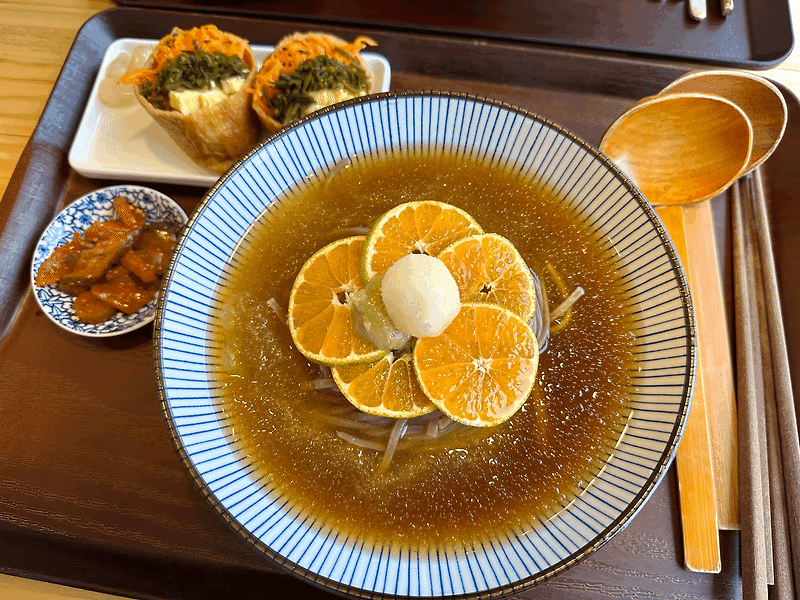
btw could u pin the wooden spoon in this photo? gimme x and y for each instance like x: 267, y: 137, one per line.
x: 765, y: 106
x: 691, y: 228
x: 678, y: 149
x: 760, y: 100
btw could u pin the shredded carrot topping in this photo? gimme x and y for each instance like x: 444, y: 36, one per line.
x: 289, y: 57
x: 207, y: 37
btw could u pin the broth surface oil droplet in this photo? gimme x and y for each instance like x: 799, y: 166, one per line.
x: 463, y: 484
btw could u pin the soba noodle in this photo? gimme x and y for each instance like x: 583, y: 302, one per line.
x: 427, y: 478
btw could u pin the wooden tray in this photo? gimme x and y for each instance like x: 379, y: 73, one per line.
x: 756, y: 35
x: 92, y: 493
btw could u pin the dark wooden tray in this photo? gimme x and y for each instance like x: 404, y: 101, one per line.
x: 757, y: 35
x: 92, y: 493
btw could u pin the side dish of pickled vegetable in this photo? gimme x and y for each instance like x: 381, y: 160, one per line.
x: 114, y: 265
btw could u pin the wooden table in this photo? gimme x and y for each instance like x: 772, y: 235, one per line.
x: 36, y: 37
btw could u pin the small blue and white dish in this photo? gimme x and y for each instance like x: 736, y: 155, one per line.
x: 77, y: 217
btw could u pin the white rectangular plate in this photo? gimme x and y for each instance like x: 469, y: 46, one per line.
x: 125, y: 143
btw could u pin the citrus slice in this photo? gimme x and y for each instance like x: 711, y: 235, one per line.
x: 387, y: 387
x: 422, y: 227
x: 319, y: 312
x: 482, y: 368
x: 488, y: 268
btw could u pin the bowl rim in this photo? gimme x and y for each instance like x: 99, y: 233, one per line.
x: 618, y: 523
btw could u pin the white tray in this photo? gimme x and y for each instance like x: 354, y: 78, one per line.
x: 114, y: 143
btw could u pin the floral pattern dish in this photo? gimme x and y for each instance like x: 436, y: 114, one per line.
x: 95, y: 206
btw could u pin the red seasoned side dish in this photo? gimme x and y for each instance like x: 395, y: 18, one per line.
x: 114, y: 266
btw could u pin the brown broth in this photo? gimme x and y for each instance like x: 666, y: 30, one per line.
x: 469, y: 484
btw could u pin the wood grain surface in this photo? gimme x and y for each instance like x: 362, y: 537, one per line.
x: 36, y: 37
x: 716, y: 357
x: 695, y: 484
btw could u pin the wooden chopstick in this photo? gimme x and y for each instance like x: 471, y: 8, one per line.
x: 781, y: 548
x: 761, y: 375
x: 784, y: 397
x: 751, y: 511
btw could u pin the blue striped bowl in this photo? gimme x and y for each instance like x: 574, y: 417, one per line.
x: 401, y: 123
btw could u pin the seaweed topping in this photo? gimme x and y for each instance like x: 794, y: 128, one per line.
x: 196, y: 70
x: 313, y: 75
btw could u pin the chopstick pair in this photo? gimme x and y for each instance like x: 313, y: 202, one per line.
x: 769, y: 451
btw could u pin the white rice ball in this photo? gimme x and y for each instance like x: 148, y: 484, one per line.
x: 420, y: 295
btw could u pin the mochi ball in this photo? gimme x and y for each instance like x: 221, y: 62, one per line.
x: 420, y: 295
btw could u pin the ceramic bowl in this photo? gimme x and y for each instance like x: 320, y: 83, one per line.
x: 78, y: 216
x: 286, y: 529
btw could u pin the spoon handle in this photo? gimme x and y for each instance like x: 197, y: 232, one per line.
x: 701, y: 550
x: 697, y: 9
x: 715, y: 353
x: 726, y: 7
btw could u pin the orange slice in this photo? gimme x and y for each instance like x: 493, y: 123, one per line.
x: 482, y: 368
x: 387, y: 388
x: 488, y: 268
x: 319, y: 306
x: 423, y: 227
